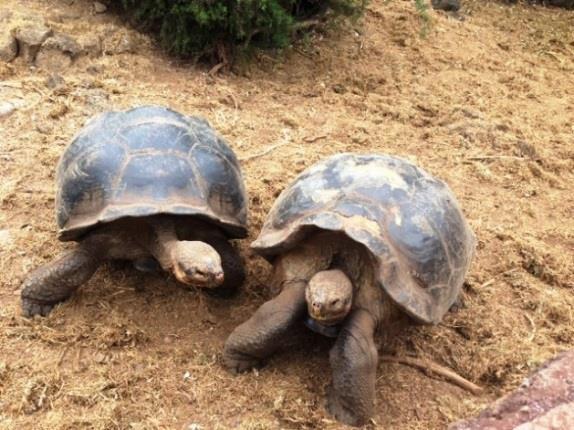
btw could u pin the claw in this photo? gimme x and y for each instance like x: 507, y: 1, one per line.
x: 240, y: 363
x: 32, y: 307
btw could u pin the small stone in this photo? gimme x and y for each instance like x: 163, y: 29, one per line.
x: 100, y: 7
x: 44, y: 128
x: 6, y: 109
x: 54, y: 81
x: 30, y: 38
x: 446, y: 5
x: 95, y: 69
x: 8, y: 47
x: 339, y: 89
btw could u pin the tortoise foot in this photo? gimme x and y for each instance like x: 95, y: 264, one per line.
x: 31, y: 307
x: 237, y: 362
x: 337, y: 409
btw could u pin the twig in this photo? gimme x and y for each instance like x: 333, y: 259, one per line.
x: 427, y: 365
x: 531, y: 321
x: 213, y: 71
x: 267, y: 151
x: 496, y: 157
x: 491, y: 281
x: 234, y: 100
x: 310, y: 139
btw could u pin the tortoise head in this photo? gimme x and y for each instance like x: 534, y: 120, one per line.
x: 197, y: 264
x: 329, y: 296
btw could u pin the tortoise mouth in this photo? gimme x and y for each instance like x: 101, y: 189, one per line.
x: 198, y: 280
x: 330, y: 320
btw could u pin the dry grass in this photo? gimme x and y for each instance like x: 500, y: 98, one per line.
x: 485, y: 104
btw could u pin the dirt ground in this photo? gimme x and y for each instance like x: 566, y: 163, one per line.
x: 486, y: 103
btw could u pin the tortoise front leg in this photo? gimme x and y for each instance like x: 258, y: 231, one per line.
x: 351, y: 395
x: 55, y: 282
x: 262, y: 334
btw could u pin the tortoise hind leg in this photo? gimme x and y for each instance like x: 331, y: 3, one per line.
x: 55, y: 282
x: 351, y: 395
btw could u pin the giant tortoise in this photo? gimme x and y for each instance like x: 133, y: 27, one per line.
x: 357, y: 242
x: 148, y: 185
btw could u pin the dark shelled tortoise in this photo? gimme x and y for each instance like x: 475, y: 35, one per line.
x: 357, y: 242
x: 148, y: 185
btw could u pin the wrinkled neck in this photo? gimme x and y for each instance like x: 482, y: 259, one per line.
x: 163, y: 239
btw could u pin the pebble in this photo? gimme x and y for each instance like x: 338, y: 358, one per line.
x: 100, y: 7
x: 6, y: 109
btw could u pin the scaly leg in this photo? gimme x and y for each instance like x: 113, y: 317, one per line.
x: 55, y: 282
x: 261, y: 335
x: 351, y: 395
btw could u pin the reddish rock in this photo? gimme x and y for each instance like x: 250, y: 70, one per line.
x: 545, y: 401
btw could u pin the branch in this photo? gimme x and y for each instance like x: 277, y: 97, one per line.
x: 427, y: 365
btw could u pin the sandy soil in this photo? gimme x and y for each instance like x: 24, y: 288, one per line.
x: 485, y: 103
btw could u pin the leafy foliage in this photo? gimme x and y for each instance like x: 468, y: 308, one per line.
x: 200, y: 27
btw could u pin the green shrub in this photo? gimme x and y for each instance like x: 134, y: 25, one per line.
x: 201, y: 27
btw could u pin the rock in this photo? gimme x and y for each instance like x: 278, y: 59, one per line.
x: 99, y: 7
x: 543, y: 401
x: 446, y: 5
x: 30, y: 38
x: 57, y: 53
x: 63, y: 43
x: 8, y: 46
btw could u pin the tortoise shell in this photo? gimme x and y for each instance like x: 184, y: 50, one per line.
x: 409, y: 221
x: 146, y: 161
